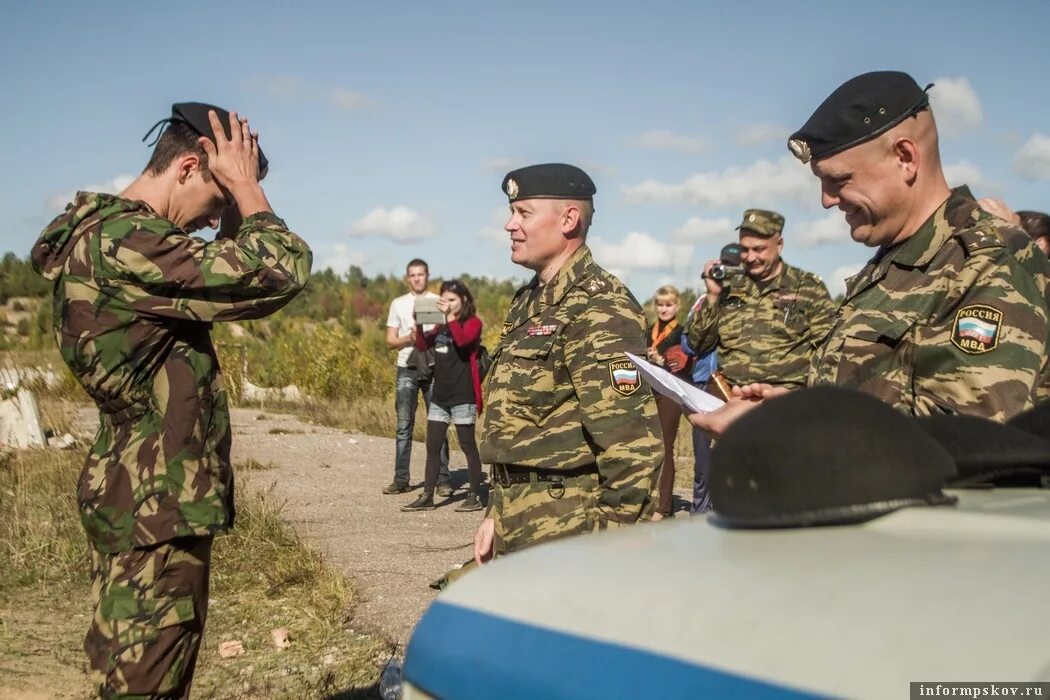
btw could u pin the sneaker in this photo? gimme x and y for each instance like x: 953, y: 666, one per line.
x: 425, y: 501
x: 394, y: 488
x: 471, y: 502
x: 445, y: 490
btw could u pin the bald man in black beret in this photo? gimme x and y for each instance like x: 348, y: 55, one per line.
x: 950, y: 315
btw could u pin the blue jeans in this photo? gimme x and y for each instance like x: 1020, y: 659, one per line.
x: 702, y: 460
x: 406, y: 398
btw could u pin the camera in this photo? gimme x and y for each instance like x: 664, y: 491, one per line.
x: 730, y: 263
x: 721, y: 271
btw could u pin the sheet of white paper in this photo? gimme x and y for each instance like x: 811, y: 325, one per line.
x: 681, y: 392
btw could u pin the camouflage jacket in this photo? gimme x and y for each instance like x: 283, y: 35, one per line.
x: 951, y: 320
x: 134, y: 299
x: 765, y: 334
x: 561, y: 394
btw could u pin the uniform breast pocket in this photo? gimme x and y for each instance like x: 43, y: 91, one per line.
x: 876, y: 348
x: 529, y: 376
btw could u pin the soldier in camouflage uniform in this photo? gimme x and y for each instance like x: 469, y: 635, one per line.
x: 951, y: 314
x: 766, y: 323
x: 570, y: 429
x: 134, y: 299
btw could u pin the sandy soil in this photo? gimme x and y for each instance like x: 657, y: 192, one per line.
x: 332, y: 483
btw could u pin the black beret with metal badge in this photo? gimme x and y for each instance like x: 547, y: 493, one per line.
x: 548, y: 181
x: 857, y: 111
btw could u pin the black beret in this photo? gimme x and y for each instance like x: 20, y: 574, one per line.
x: 548, y: 181
x: 824, y: 456
x: 732, y: 254
x: 195, y: 115
x: 986, y: 452
x: 859, y: 110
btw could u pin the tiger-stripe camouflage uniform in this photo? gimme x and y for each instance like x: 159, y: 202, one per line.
x: 953, y: 319
x: 134, y: 299
x: 765, y: 334
x: 571, y: 431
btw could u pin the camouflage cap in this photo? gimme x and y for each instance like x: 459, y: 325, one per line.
x: 548, y: 181
x: 762, y: 222
x: 195, y: 115
x: 857, y: 111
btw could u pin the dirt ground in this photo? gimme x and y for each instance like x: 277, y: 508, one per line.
x: 331, y: 484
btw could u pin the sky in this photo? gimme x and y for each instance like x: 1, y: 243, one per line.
x: 390, y: 125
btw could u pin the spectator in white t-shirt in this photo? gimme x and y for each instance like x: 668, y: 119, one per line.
x: 400, y: 336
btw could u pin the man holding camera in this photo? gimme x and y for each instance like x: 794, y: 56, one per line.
x: 764, y: 316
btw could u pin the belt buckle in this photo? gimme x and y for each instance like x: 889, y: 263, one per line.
x: 502, y: 475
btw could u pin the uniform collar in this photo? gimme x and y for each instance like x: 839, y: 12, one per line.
x: 572, y: 272
x: 784, y: 279
x: 955, y: 213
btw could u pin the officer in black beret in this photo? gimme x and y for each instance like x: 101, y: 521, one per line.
x: 950, y: 314
x: 570, y: 429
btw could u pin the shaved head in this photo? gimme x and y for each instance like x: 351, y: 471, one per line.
x: 887, y: 186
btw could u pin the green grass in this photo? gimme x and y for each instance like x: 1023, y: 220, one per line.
x: 263, y: 577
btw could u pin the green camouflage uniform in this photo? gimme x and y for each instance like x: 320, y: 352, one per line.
x: 134, y: 299
x: 561, y: 396
x: 951, y: 320
x: 765, y: 334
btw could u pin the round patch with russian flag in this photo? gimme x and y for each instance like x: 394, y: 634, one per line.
x: 976, y: 328
x: 624, y: 376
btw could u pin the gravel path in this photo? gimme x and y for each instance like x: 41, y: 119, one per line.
x: 330, y: 482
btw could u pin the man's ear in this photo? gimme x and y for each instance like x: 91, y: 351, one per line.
x: 908, y: 158
x: 185, y: 166
x: 570, y: 218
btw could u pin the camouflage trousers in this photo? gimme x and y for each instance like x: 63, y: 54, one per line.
x: 150, y: 607
x: 537, y: 511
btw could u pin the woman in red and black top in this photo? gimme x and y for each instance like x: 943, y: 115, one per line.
x: 665, y: 349
x: 456, y: 392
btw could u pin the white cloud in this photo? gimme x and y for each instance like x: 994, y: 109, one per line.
x: 697, y: 229
x: 639, y: 252
x: 400, y: 224
x: 1033, y: 158
x: 500, y: 165
x: 956, y: 106
x: 494, y: 232
x: 58, y: 201
x: 341, y: 258
x: 964, y: 173
x: 349, y: 100
x: 761, y: 182
x: 282, y: 85
x: 762, y: 132
x: 831, y: 228
x: 663, y: 140
x: 837, y: 283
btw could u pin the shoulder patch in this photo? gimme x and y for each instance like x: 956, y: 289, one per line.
x: 976, y: 328
x: 624, y: 376
x: 975, y: 239
x: 594, y: 284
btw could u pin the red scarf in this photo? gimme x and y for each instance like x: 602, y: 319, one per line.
x: 657, y: 336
